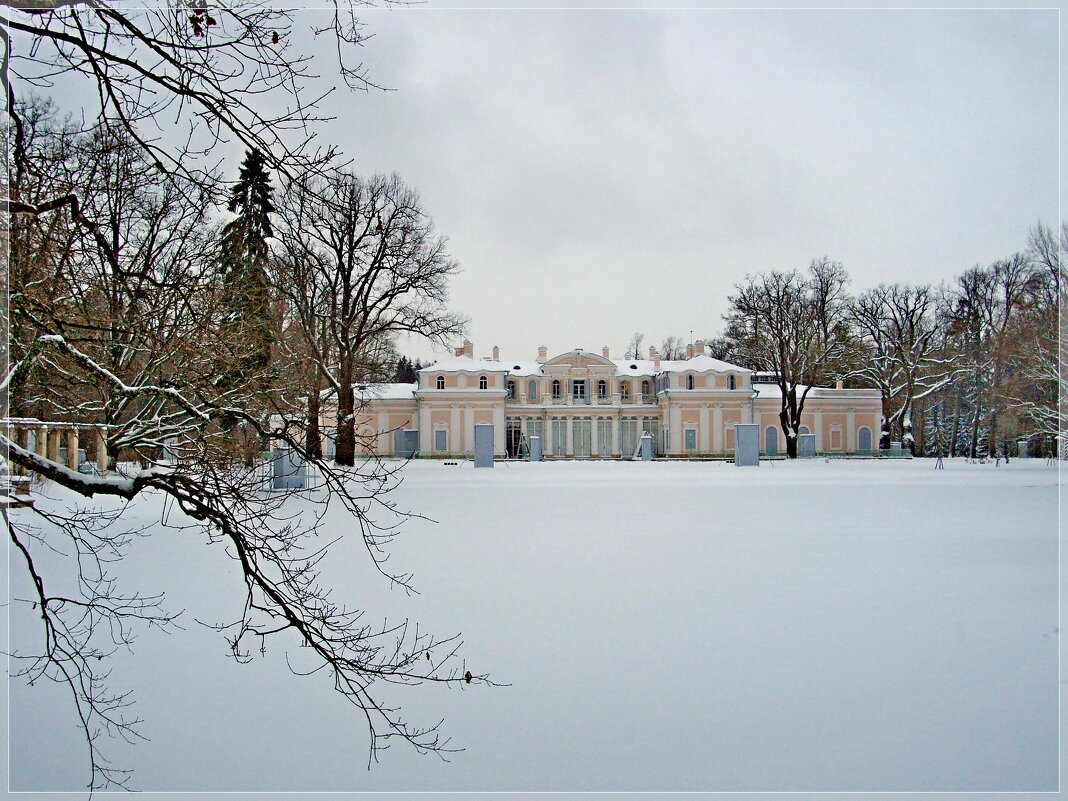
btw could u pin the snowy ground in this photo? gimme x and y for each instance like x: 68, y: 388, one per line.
x: 816, y: 626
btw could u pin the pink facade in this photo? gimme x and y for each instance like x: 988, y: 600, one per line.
x: 587, y: 405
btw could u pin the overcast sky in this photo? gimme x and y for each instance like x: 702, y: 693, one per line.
x: 601, y: 172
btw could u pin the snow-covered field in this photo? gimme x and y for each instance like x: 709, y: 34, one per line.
x: 808, y: 626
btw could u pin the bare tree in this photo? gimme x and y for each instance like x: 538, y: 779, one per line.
x: 362, y: 264
x: 904, y: 355
x: 116, y: 322
x: 793, y: 326
x: 673, y: 348
x: 634, y: 347
x: 722, y: 348
x: 199, y: 73
x: 987, y: 302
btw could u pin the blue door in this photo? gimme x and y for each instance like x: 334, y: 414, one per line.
x: 440, y: 439
x: 864, y: 439
x: 691, y: 439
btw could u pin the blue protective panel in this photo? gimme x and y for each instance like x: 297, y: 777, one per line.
x: 747, y: 445
x: 289, y: 470
x: 690, y: 435
x: 484, y: 445
x: 441, y: 440
x: 535, y: 449
x: 806, y: 446
x: 647, y: 448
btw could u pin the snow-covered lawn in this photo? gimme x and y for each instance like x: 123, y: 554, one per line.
x: 816, y: 626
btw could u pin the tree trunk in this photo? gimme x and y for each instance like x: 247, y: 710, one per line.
x: 954, y: 422
x: 345, y: 453
x: 313, y: 443
x: 789, y: 429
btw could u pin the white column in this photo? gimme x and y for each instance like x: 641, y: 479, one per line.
x: 851, y: 430
x: 547, y: 432
x: 614, y: 449
x: 455, y: 434
x: 595, y: 441
x: 72, y: 448
x: 717, y: 428
x: 469, y: 428
x: 101, y: 450
x: 754, y: 417
x: 675, y: 416
x: 498, y: 429
x: 705, y: 422
x: 426, y: 433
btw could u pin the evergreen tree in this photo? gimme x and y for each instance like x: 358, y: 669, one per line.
x: 243, y: 263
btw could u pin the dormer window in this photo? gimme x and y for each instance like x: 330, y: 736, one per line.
x: 645, y: 388
x: 441, y: 382
x: 602, y: 388
x: 532, y: 390
x: 730, y: 382
x: 624, y: 389
x: 483, y: 382
x: 511, y: 390
x: 556, y: 388
x: 689, y: 382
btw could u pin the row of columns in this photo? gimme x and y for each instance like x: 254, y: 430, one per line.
x: 48, y: 438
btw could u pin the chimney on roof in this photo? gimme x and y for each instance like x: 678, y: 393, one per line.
x: 458, y: 351
x: 689, y: 351
x: 656, y: 359
x: 469, y: 349
x: 496, y: 354
x: 543, y: 354
x: 839, y: 384
x: 699, y: 347
x: 604, y: 351
x: 652, y: 351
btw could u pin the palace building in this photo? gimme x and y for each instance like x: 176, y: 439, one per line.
x: 585, y: 405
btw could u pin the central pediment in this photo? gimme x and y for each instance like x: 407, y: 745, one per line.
x: 579, y: 358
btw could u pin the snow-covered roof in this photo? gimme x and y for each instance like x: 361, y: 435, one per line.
x: 701, y: 364
x: 634, y: 367
x: 522, y: 368
x: 772, y: 391
x: 378, y: 391
x: 391, y: 391
x: 624, y: 367
x: 465, y: 364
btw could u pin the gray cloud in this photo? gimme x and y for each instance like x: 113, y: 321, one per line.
x: 600, y: 172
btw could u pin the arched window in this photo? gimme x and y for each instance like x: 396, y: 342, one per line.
x: 730, y: 382
x: 602, y: 388
x: 556, y: 388
x: 689, y: 382
x: 532, y: 390
x: 441, y: 382
x: 511, y: 390
x: 624, y: 389
x: 645, y: 388
x: 483, y: 382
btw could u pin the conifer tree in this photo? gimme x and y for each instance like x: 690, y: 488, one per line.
x: 243, y: 263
